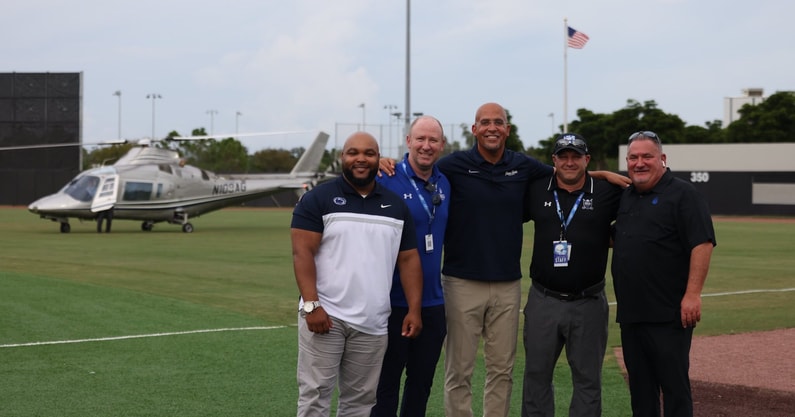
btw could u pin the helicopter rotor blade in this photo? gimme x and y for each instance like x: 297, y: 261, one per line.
x: 238, y: 135
x: 61, y: 145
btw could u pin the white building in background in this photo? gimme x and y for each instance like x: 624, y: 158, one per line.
x: 732, y: 105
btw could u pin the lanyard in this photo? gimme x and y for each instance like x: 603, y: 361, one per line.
x: 564, y: 224
x: 419, y: 194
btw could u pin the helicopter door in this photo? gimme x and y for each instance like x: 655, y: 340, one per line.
x: 106, y: 195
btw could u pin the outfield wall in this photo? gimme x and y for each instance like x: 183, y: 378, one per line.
x: 736, y: 179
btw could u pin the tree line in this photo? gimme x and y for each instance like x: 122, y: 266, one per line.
x: 227, y: 156
x: 772, y: 120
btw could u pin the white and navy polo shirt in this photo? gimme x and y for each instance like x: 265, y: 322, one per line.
x: 358, y: 250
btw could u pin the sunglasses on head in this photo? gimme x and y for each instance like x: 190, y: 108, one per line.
x: 646, y: 134
x: 571, y: 141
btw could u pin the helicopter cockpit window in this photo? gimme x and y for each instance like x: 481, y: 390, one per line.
x: 137, y: 191
x: 165, y: 168
x: 83, y: 188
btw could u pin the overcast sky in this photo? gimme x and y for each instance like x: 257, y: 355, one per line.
x: 309, y: 64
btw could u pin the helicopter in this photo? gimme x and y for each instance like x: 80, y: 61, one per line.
x: 153, y: 185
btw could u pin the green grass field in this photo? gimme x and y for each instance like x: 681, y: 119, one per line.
x: 233, y: 275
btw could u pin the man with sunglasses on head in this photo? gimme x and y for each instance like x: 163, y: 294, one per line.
x: 425, y: 191
x: 566, y: 305
x: 663, y: 245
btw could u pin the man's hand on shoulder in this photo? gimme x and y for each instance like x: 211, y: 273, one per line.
x: 386, y: 166
x: 612, y: 178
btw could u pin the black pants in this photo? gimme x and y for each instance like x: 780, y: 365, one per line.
x: 657, y: 356
x: 418, y: 356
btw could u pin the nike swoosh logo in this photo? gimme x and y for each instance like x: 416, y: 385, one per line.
x: 472, y: 171
x: 385, y: 205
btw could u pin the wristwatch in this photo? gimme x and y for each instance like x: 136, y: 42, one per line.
x: 310, y: 307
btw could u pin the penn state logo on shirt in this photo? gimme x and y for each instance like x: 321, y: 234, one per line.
x: 587, y: 204
x: 340, y: 201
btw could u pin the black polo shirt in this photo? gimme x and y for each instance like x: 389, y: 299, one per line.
x: 483, y: 240
x: 654, y: 235
x: 588, y: 234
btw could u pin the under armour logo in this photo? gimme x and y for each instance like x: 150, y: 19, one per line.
x: 407, y: 196
x: 547, y: 204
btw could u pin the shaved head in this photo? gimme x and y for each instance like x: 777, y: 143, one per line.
x: 360, y: 159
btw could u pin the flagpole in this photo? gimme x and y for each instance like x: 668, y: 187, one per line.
x: 565, y: 75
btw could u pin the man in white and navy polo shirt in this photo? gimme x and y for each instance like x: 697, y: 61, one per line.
x: 348, y: 235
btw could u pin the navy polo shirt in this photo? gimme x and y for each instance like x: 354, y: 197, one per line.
x: 484, y: 231
x: 420, y: 203
x: 654, y: 235
x: 588, y: 234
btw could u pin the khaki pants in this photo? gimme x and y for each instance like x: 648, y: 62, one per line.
x: 478, y: 309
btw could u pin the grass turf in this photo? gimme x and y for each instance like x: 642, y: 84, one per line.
x: 235, y: 272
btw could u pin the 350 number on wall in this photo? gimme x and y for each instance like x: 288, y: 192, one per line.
x: 699, y: 177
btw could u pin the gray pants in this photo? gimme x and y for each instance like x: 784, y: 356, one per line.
x: 346, y: 355
x: 580, y: 326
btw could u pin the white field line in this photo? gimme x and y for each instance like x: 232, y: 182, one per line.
x: 238, y: 329
x: 139, y: 336
x: 721, y: 294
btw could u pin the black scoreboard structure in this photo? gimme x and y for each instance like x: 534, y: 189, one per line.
x: 744, y: 179
x: 38, y: 109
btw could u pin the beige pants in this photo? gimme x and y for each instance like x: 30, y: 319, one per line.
x: 478, y: 309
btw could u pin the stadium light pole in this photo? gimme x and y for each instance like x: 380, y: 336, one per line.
x: 237, y: 123
x: 364, y: 123
x: 153, y: 96
x: 408, y: 72
x: 398, y: 115
x: 118, y: 94
x: 212, y: 114
x: 389, y: 108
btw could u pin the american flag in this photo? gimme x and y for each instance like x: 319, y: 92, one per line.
x: 577, y: 39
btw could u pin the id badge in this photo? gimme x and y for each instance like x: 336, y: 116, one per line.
x: 429, y: 243
x: 561, y: 253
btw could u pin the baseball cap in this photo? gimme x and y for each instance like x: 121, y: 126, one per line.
x: 571, y: 141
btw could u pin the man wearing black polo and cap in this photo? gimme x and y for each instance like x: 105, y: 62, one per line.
x: 566, y: 305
